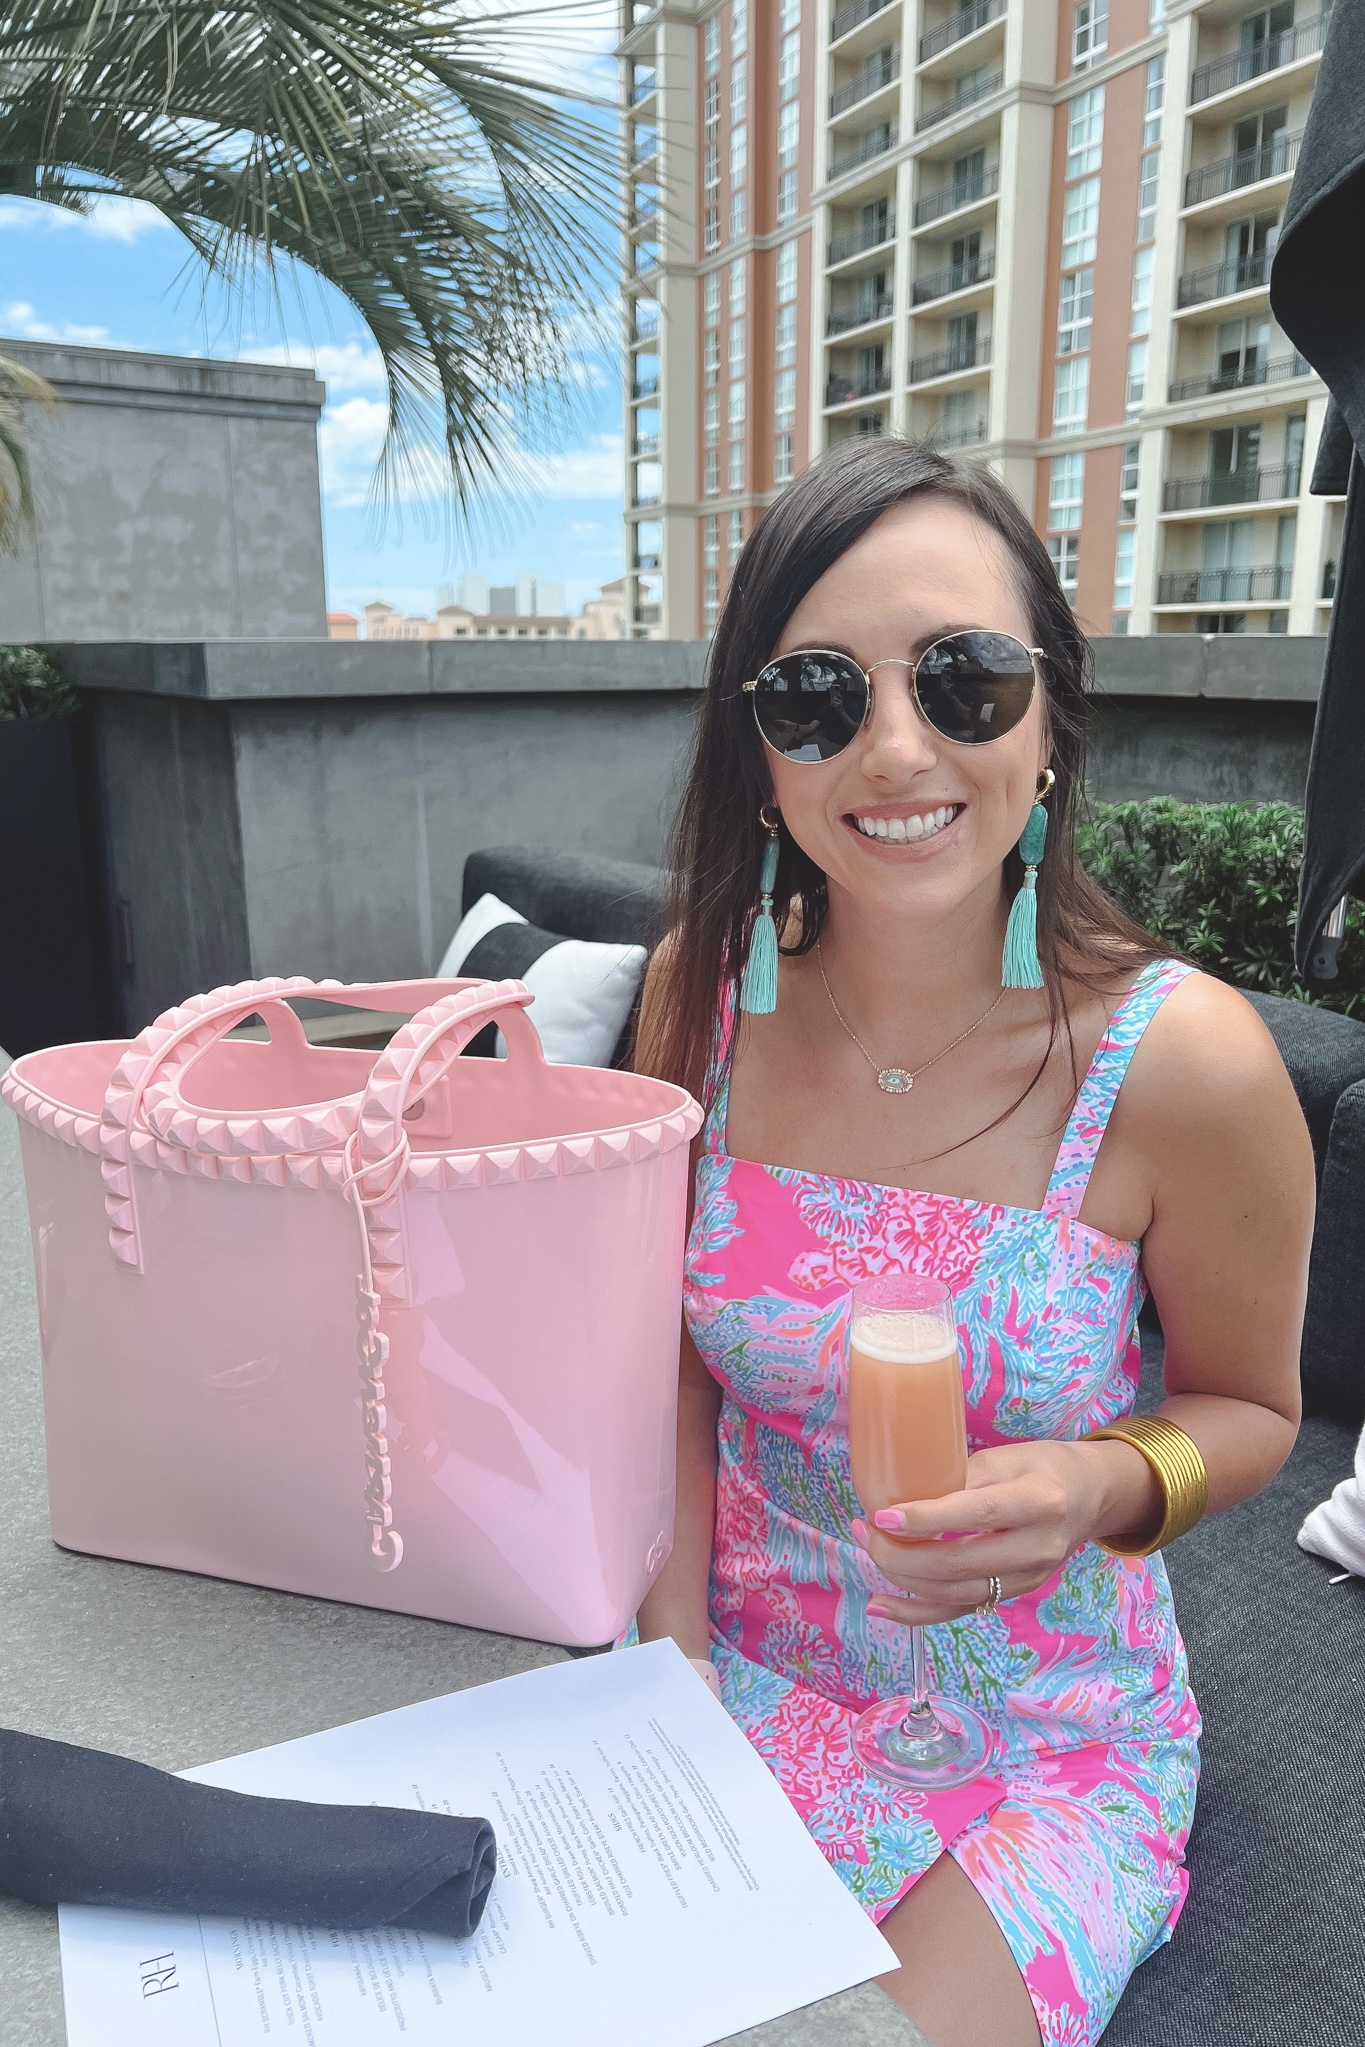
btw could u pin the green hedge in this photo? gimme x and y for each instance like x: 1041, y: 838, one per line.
x: 1220, y: 882
x: 32, y: 685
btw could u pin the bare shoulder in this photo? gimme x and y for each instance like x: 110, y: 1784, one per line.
x: 1208, y: 1067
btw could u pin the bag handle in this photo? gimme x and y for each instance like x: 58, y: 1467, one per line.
x: 200, y: 1022
x: 377, y: 1153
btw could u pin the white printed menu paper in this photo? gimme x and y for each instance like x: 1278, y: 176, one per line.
x: 653, y: 1885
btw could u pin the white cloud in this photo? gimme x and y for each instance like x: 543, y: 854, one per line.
x: 349, y: 440
x: 109, y: 220
x: 593, y: 472
x: 343, y: 366
x: 20, y: 321
x: 352, y: 434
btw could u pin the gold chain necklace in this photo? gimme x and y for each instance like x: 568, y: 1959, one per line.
x: 897, y: 1080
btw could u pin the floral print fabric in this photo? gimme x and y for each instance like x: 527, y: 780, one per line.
x: 1076, y: 1840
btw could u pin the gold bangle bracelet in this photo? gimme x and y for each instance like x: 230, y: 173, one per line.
x: 1180, y: 1472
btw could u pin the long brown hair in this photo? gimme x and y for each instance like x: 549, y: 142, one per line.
x: 718, y: 840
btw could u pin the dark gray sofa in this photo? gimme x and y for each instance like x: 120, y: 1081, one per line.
x: 1270, y: 1951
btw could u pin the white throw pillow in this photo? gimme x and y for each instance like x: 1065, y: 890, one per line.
x: 584, y: 992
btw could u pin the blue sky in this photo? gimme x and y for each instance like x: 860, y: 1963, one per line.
x: 126, y: 279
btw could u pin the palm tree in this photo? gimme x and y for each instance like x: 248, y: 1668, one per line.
x: 17, y: 382
x: 390, y: 145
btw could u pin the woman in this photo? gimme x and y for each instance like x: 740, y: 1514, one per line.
x: 1110, y: 1119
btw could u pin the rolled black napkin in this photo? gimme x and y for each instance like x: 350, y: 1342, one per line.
x: 78, y: 1827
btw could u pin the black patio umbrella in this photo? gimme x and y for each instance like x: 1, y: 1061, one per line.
x: 1317, y: 292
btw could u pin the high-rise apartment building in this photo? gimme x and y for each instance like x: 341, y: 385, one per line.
x: 1038, y: 230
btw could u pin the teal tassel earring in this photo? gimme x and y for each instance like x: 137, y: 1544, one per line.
x: 1020, y: 967
x: 758, y: 989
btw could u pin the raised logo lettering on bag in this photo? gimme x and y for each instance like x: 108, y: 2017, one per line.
x: 158, y: 1974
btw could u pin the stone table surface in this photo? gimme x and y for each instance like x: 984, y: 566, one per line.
x: 177, y: 1670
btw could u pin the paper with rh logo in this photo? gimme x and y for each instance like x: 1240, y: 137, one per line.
x: 653, y: 1884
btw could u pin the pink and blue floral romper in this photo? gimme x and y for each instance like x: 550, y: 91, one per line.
x: 1076, y: 1841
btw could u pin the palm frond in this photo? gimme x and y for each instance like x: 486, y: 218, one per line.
x: 463, y: 210
x: 17, y: 382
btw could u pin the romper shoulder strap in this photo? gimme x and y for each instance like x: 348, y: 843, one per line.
x: 1099, y: 1090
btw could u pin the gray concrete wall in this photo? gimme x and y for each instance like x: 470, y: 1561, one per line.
x: 176, y: 499
x: 305, y: 807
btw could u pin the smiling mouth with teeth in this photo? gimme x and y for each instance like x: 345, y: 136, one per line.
x: 906, y: 831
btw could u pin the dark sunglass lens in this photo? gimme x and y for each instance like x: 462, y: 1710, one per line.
x: 975, y: 686
x: 809, y: 706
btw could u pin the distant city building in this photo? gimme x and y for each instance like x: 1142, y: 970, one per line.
x: 602, y: 618
x: 343, y: 625
x: 1037, y: 233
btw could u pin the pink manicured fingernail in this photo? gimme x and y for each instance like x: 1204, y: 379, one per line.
x: 884, y: 1613
x: 859, y: 1531
x: 890, y: 1520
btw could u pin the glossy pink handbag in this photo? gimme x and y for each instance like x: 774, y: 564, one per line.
x: 398, y: 1328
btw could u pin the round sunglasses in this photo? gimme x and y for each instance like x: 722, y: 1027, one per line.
x: 971, y: 686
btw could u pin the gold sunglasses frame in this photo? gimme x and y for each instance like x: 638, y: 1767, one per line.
x: 749, y: 689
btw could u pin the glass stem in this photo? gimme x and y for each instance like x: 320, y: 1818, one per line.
x: 921, y: 1723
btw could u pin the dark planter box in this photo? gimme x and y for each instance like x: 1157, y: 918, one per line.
x: 47, y: 989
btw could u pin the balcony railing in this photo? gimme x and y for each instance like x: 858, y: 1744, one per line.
x: 643, y: 87
x: 959, y: 436
x: 1280, y: 369
x: 1220, y: 280
x: 934, y: 204
x: 645, y: 387
x: 1223, y: 586
x: 957, y: 277
x: 856, y: 240
x: 644, y: 146
x: 645, y: 444
x: 846, y: 18
x: 1272, y: 160
x: 966, y: 95
x: 877, y: 73
x: 944, y: 361
x: 875, y: 143
x: 1276, y: 51
x: 1230, y: 487
x: 844, y: 318
x: 964, y: 23
x: 841, y: 390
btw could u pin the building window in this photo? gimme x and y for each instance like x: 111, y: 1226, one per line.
x: 710, y: 43
x: 738, y: 338
x: 784, y: 400
x: 1071, y: 395
x: 1066, y: 485
x: 782, y: 459
x: 735, y: 412
x: 739, y: 26
x: 786, y: 198
x: 1085, y: 133
x: 1124, y: 554
x: 710, y: 233
x: 739, y: 152
x: 785, y: 337
x: 1143, y: 264
x: 710, y: 106
x: 1128, y: 479
x: 1155, y: 101
x: 710, y: 293
x: 1065, y: 550
x: 711, y: 473
x: 711, y: 356
x: 790, y: 15
x: 788, y: 134
x: 1156, y: 14
x: 1148, y: 175
x: 1136, y: 389
x: 739, y: 284
x: 1080, y: 223
x: 734, y: 536
x: 1089, y: 33
x: 789, y: 65
x: 710, y: 415
x: 869, y: 426
x: 710, y: 540
x: 710, y: 597
x: 1073, y: 311
x: 739, y: 89
x: 739, y: 214
x: 786, y: 273
x: 710, y: 169
x: 735, y: 478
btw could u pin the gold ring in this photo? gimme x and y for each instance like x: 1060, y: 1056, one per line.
x: 993, y: 1591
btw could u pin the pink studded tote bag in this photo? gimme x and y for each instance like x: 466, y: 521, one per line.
x: 397, y: 1328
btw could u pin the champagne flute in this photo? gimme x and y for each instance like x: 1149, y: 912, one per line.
x: 908, y: 1435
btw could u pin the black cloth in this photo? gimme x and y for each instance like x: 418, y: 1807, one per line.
x: 79, y: 1827
x: 1317, y: 292
x: 1333, y: 1363
x: 1270, y: 1948
x: 578, y: 895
